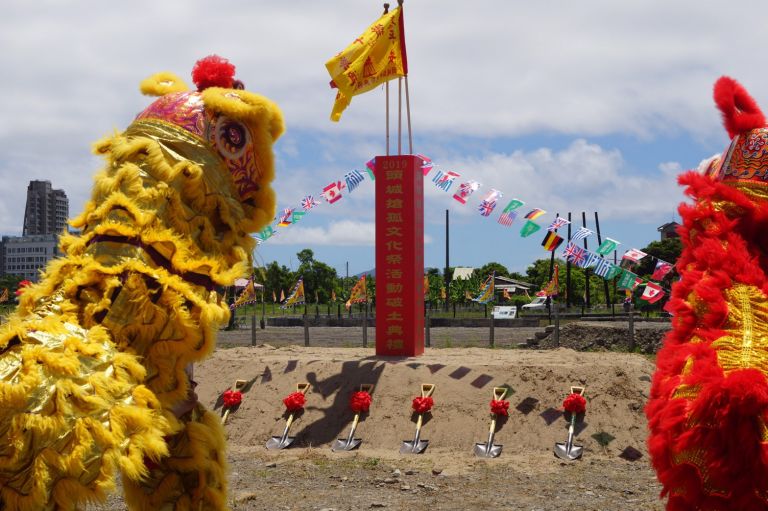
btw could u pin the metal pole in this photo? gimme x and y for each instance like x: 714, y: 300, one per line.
x: 408, y: 114
x: 386, y: 88
x: 365, y: 326
x: 586, y: 270
x: 427, y: 339
x: 492, y: 340
x: 399, y: 116
x: 446, y: 276
x: 568, y: 271
x: 306, y: 330
x: 557, y: 323
x: 605, y: 282
x: 253, y: 327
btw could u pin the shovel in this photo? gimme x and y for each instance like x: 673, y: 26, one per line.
x: 417, y: 446
x: 283, y: 441
x: 238, y: 385
x: 351, y: 443
x: 568, y: 451
x: 489, y: 449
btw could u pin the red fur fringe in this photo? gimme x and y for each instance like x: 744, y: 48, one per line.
x: 723, y: 420
x: 739, y: 109
x: 213, y: 71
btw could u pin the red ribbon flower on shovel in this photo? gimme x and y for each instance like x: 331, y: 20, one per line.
x: 575, y: 404
x: 295, y: 402
x: 360, y: 402
x: 232, y: 398
x: 499, y: 407
x: 22, y: 285
x: 422, y: 404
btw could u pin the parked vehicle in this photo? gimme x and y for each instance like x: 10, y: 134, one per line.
x: 538, y: 304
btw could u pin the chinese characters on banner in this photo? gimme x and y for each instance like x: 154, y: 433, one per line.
x: 399, y: 256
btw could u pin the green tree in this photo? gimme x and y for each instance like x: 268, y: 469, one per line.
x: 277, y: 278
x: 319, y: 278
x: 489, y: 268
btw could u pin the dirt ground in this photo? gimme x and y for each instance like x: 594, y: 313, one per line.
x: 613, y: 474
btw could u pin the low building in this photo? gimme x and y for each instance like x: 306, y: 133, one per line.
x: 668, y: 230
x: 25, y: 256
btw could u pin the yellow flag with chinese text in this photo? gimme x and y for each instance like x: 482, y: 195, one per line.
x: 375, y: 57
x: 4, y: 296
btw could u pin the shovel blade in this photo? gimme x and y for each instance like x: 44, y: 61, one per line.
x: 562, y: 452
x: 482, y: 450
x: 411, y: 447
x: 276, y: 442
x: 342, y: 445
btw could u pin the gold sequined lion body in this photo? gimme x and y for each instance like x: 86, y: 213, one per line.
x: 94, y: 365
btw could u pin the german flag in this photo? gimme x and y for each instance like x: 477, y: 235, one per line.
x: 551, y: 241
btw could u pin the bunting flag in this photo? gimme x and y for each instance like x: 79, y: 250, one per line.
x: 442, y: 293
x: 426, y: 286
x: 333, y: 295
x: 264, y: 234
x: 282, y: 295
x: 353, y: 180
x: 426, y: 164
x: 309, y: 202
x: 505, y: 294
x: 591, y: 259
x: 608, y: 246
x: 317, y: 300
x: 661, y: 270
x: 529, y: 228
x: 535, y: 213
x: 297, y: 295
x: 557, y: 223
x: 359, y: 293
x: 488, y: 204
x: 370, y: 168
x: 332, y: 192
x: 297, y: 215
x: 652, y: 293
x: 4, y: 296
x: 575, y: 254
x: 606, y: 270
x: 465, y: 190
x: 509, y: 214
x: 444, y: 180
x: 553, y: 287
x: 375, y: 57
x: 551, y: 241
x: 634, y: 255
x: 248, y: 295
x: 581, y: 233
x: 274, y: 297
x: 467, y: 295
x: 487, y: 290
x: 627, y: 280
x: 286, y: 217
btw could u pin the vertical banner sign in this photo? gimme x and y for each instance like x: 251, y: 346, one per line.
x: 399, y: 256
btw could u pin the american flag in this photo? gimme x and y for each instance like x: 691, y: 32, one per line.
x: 507, y: 218
x: 309, y: 202
x: 353, y: 179
x: 486, y: 207
x: 557, y: 223
x: 582, y: 233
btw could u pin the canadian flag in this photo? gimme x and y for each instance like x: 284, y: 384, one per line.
x: 332, y: 192
x: 653, y: 293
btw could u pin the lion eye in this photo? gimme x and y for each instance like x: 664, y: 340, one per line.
x: 231, y: 137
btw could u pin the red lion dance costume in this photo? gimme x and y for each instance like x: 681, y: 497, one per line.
x: 708, y: 411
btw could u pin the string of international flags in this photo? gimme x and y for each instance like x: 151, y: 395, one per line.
x: 445, y: 181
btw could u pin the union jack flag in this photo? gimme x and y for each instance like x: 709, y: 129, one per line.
x: 486, y: 207
x: 309, y: 202
x: 557, y: 223
x: 575, y: 254
x: 507, y: 217
x: 353, y: 179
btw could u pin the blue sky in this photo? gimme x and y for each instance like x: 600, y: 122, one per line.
x: 568, y: 106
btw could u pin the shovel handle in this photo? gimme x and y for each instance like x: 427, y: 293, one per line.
x: 224, y: 418
x: 287, y: 427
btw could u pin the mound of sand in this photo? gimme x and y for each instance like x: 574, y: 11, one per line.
x: 617, y: 386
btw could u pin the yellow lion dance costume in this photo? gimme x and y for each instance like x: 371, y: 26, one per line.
x: 94, y: 366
